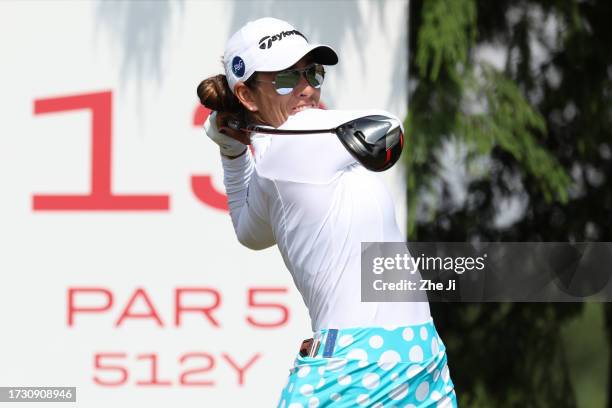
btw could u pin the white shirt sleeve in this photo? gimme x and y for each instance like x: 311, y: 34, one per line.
x: 246, y: 203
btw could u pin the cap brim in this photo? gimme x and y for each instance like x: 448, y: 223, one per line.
x: 322, y: 54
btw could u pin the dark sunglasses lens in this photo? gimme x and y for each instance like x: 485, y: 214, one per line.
x: 315, y: 76
x: 286, y: 81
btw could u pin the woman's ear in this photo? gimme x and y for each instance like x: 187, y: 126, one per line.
x: 246, y: 97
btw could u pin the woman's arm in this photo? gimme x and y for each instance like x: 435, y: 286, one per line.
x: 246, y: 201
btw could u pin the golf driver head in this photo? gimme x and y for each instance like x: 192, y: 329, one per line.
x: 376, y: 141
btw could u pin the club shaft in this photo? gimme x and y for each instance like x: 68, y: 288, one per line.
x: 272, y: 131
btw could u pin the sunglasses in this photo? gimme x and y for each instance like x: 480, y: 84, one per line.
x: 285, y: 81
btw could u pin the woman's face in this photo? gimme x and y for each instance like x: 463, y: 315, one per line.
x: 273, y: 109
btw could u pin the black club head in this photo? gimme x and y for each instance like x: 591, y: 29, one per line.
x: 376, y: 141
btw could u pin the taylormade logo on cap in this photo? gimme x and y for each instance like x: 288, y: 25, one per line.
x: 267, y: 41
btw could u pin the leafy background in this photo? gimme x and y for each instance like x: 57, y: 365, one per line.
x: 509, y: 122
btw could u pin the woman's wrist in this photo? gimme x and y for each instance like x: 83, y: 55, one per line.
x: 235, y: 157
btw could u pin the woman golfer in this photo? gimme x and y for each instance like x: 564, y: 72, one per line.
x: 317, y: 203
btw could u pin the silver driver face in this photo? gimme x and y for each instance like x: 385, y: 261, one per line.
x: 372, y: 129
x: 376, y: 141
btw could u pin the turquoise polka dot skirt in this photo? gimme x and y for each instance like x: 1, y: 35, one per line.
x: 372, y: 367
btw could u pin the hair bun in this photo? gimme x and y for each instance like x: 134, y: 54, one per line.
x: 215, y: 94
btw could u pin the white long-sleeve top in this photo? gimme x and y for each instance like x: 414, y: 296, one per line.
x: 309, y: 196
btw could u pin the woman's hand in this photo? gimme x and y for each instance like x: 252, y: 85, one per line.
x: 221, y: 122
x: 231, y: 143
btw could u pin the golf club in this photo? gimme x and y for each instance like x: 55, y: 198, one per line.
x: 375, y: 141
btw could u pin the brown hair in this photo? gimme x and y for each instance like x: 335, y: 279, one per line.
x: 215, y: 94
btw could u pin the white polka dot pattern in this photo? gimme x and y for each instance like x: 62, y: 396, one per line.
x: 413, y: 370
x: 388, y: 360
x: 393, y: 367
x: 357, y: 354
x: 435, y: 347
x: 303, y: 371
x: 408, y: 334
x: 344, y: 379
x: 399, y: 392
x: 445, y: 375
x: 306, y: 389
x: 416, y: 354
x: 362, y: 399
x: 423, y: 333
x: 336, y: 364
x: 371, y: 381
x: 345, y: 340
x: 446, y: 402
x: 435, y: 395
x: 376, y: 342
x: 422, y: 391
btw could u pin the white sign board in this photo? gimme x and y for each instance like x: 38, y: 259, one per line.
x: 120, y: 272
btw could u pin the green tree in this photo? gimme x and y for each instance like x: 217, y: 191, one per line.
x: 531, y: 131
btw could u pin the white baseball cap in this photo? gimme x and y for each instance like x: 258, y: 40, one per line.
x: 269, y: 45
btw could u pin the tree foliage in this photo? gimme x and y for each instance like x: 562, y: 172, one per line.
x: 521, y: 90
